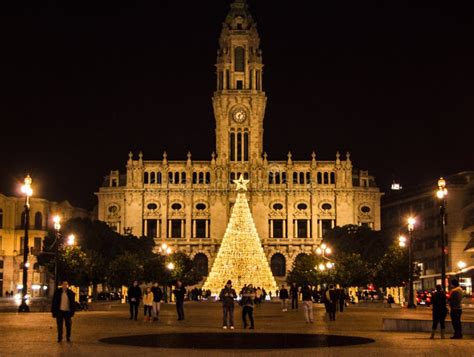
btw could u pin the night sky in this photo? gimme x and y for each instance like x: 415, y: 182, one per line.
x: 84, y: 82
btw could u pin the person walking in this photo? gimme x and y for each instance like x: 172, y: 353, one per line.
x: 438, y: 302
x: 331, y: 301
x: 63, y: 308
x: 227, y: 297
x: 148, y: 305
x: 294, y: 296
x: 134, y: 297
x: 179, y: 293
x: 455, y: 303
x: 306, y: 296
x: 284, y: 298
x: 248, y: 297
x: 157, y: 297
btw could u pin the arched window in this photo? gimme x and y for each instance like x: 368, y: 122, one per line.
x: 308, y: 178
x: 239, y: 59
x: 1, y: 218
x: 176, y: 178
x: 283, y: 177
x: 326, y: 178
x: 195, y: 178
x: 208, y: 177
x: 152, y: 178
x: 295, y: 177
x: 333, y: 178
x: 277, y: 178
x: 201, y: 264
x: 320, y: 178
x: 146, y: 178
x: 300, y: 258
x: 270, y: 178
x: 239, y: 146
x: 23, y: 217
x: 278, y: 265
x: 201, y: 177
x: 232, y: 147
x: 246, y: 146
x: 301, y: 178
x: 38, y: 220
x: 158, y: 178
x: 183, y: 177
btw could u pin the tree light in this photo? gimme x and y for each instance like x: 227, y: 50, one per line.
x: 322, y: 267
x: 170, y: 266
x: 461, y: 265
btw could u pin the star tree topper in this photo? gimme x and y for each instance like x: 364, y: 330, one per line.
x: 241, y: 183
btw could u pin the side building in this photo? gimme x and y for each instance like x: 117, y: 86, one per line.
x: 422, y: 203
x: 12, y: 230
x: 187, y: 203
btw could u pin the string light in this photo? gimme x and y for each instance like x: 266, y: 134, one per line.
x: 241, y: 257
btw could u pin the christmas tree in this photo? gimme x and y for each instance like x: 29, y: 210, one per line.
x: 240, y: 257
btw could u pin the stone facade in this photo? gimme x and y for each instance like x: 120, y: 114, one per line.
x: 187, y: 203
x: 11, y: 239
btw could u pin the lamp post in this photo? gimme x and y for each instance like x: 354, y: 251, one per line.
x: 28, y: 192
x: 411, y: 297
x: 441, y: 194
x: 461, y: 266
x: 57, y: 227
x: 166, y: 250
x: 170, y: 267
x: 323, y: 250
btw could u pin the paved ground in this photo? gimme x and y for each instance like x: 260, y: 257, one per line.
x: 34, y: 334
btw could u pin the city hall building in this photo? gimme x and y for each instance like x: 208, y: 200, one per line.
x: 187, y: 203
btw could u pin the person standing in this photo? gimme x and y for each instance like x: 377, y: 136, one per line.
x: 331, y: 301
x: 227, y: 297
x: 438, y: 301
x: 258, y: 296
x: 148, y: 305
x: 455, y: 303
x: 306, y: 296
x: 341, y: 297
x: 248, y: 297
x: 284, y: 298
x: 157, y: 297
x: 63, y: 308
x: 134, y: 297
x: 294, y: 296
x: 179, y: 293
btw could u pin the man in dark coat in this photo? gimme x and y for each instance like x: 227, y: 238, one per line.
x: 157, y: 297
x: 294, y: 296
x: 227, y: 297
x: 179, y: 293
x: 63, y: 308
x: 247, y: 302
x: 438, y: 301
x: 134, y: 297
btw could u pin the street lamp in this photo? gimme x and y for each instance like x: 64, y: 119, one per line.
x: 71, y: 240
x: 461, y: 266
x: 166, y: 250
x: 57, y: 227
x: 28, y: 192
x: 411, y: 297
x: 441, y: 194
x: 323, y: 250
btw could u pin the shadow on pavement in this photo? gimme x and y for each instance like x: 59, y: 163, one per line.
x: 237, y: 340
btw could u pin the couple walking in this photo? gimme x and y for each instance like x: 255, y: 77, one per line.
x: 228, y: 296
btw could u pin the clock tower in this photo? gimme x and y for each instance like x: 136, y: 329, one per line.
x: 239, y: 100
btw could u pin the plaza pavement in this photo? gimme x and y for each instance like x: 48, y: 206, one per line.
x: 34, y: 334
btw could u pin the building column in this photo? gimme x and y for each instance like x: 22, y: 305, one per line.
x: 168, y: 235
x: 145, y: 228
x: 207, y: 228
x: 183, y: 235
x: 333, y: 223
x: 308, y: 228
x: 271, y: 228
x: 285, y: 235
x: 193, y: 225
x: 295, y: 228
x: 320, y: 228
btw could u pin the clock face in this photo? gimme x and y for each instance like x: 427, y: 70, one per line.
x: 239, y: 115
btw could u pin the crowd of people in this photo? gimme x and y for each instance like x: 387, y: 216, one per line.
x: 64, y: 306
